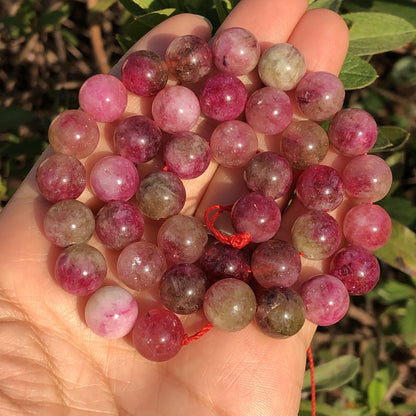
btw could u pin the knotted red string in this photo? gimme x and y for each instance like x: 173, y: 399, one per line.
x: 187, y: 339
x: 313, y: 393
x: 238, y: 240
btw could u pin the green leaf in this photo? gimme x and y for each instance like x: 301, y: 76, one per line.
x: 332, y: 374
x: 408, y: 322
x: 322, y: 409
x: 325, y: 4
x: 400, y: 250
x: 400, y: 209
x: 52, y: 18
x: 13, y: 117
x: 372, y: 33
x: 390, y: 139
x: 103, y: 5
x: 221, y: 11
x: 133, y: 7
x: 375, y: 393
x: 391, y: 292
x: 356, y: 73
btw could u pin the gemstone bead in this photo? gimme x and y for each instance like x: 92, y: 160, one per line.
x: 223, y: 97
x: 233, y: 143
x: 158, y: 335
x: 80, y: 269
x: 269, y: 110
x: 114, y: 178
x: 111, y: 312
x: 140, y: 265
x: 320, y: 95
x: 104, y: 97
x: 144, y: 73
x: 257, y: 215
x: 230, y: 304
x: 280, y: 312
x: 175, y: 109
x: 161, y: 195
x: 188, y: 58
x: 235, y: 51
x: 75, y: 133
x: 119, y: 223
x: 137, y: 138
x: 281, y: 66
x: 326, y: 299
x: 61, y: 177
x: 69, y: 222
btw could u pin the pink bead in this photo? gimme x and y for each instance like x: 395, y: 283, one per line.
x: 176, y: 109
x: 104, y: 97
x: 114, y: 178
x: 111, y: 312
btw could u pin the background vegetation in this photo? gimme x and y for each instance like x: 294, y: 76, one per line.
x: 49, y: 47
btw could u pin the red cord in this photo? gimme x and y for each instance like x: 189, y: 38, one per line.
x: 187, y: 339
x: 238, y: 240
x: 313, y: 392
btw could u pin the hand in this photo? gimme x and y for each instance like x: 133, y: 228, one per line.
x: 52, y: 364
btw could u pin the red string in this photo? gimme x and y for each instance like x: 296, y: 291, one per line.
x: 238, y: 240
x: 313, y: 392
x: 187, y: 339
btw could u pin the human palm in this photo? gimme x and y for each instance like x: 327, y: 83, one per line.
x: 52, y: 364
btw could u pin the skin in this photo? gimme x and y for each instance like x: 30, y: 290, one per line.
x: 52, y: 364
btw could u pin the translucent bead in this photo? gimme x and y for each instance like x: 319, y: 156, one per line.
x: 257, y: 215
x: 182, y: 239
x: 175, y: 109
x: 281, y: 66
x: 320, y: 95
x: 230, y: 304
x: 119, y: 223
x: 233, y: 143
x: 236, y: 51
x: 80, y: 269
x: 158, y: 335
x: 137, y: 138
x: 114, y: 178
x: 140, y: 265
x: 368, y: 226
x: 280, y: 312
x: 268, y: 173
x: 161, y: 195
x: 144, y: 73
x: 304, y: 143
x: 69, y: 222
x: 61, y: 177
x: 75, y: 133
x: 104, y: 97
x: 188, y: 58
x: 111, y: 312
x: 269, y: 110
x: 326, y: 299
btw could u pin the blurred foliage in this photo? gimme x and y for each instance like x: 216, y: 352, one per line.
x: 382, y: 57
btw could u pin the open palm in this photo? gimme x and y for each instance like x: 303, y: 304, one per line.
x: 52, y: 364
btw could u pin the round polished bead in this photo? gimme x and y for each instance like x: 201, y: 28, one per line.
x: 114, y: 178
x: 144, y: 73
x: 223, y: 97
x: 104, y: 97
x: 160, y: 195
x: 188, y: 58
x: 158, y: 335
x: 140, y: 265
x: 75, y: 133
x: 304, y: 143
x: 61, y: 177
x: 137, y: 138
x: 269, y: 110
x: 80, y: 269
x: 280, y: 312
x: 281, y: 66
x: 175, y: 109
x: 230, y: 304
x: 236, y: 51
x: 233, y: 143
x: 111, y: 312
x: 69, y: 222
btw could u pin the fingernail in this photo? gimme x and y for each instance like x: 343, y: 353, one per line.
x: 206, y: 19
